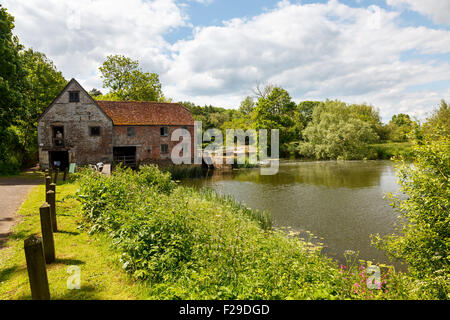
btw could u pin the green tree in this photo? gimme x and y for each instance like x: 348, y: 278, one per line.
x: 369, y: 115
x: 275, y: 110
x: 13, y: 93
x: 247, y: 105
x: 336, y: 132
x: 306, y: 109
x: 95, y: 92
x: 127, y: 81
x: 439, y: 122
x: 423, y: 237
x: 400, y: 127
x: 45, y: 83
x: 13, y: 97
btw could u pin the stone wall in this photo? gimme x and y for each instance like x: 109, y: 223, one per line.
x: 148, y: 141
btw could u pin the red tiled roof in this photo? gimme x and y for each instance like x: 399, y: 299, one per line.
x: 146, y: 113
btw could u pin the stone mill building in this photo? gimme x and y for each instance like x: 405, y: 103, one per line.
x: 75, y: 128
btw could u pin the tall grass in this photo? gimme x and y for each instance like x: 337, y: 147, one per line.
x: 263, y: 218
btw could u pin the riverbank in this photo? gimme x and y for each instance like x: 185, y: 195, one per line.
x: 140, y: 236
x: 388, y: 150
x: 340, y: 201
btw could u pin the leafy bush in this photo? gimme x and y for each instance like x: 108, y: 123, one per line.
x: 338, y: 131
x: 10, y: 166
x: 424, y: 234
x: 386, y: 151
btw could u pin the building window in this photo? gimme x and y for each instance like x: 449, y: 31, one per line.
x: 164, y: 148
x: 94, y: 131
x: 164, y: 131
x: 131, y: 132
x: 74, y: 96
x: 58, y: 136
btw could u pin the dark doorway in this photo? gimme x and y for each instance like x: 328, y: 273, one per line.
x: 59, y: 159
x: 125, y: 155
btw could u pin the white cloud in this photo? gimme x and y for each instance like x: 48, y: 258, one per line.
x: 205, y: 2
x: 78, y: 35
x: 438, y: 10
x: 315, y: 51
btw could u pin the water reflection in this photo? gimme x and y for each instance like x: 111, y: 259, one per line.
x: 334, y: 174
x: 339, y: 201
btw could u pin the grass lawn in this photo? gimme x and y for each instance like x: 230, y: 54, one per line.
x: 101, y: 276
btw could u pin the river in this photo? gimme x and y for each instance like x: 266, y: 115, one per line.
x: 339, y: 201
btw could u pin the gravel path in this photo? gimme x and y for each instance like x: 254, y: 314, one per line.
x: 13, y: 192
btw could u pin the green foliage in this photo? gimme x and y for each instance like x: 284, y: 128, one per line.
x: 338, y: 131
x: 213, y: 117
x: 423, y: 240
x: 9, y: 144
x: 13, y: 81
x: 191, y: 245
x: 306, y: 108
x: 127, y: 81
x: 400, y: 127
x: 439, y: 122
x: 29, y: 81
x: 9, y: 166
x: 13, y: 97
x: 95, y: 93
x: 247, y: 106
x: 45, y: 83
x: 262, y: 217
x: 389, y: 150
x: 276, y: 110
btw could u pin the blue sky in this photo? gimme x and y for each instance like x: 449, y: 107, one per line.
x: 393, y: 54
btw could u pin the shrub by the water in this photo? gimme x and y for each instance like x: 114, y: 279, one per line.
x: 423, y: 238
x: 386, y: 151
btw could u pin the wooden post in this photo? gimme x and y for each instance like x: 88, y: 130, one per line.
x: 48, y: 181
x: 47, y: 232
x: 56, y: 175
x: 51, y: 201
x: 37, y: 273
x: 66, y: 170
